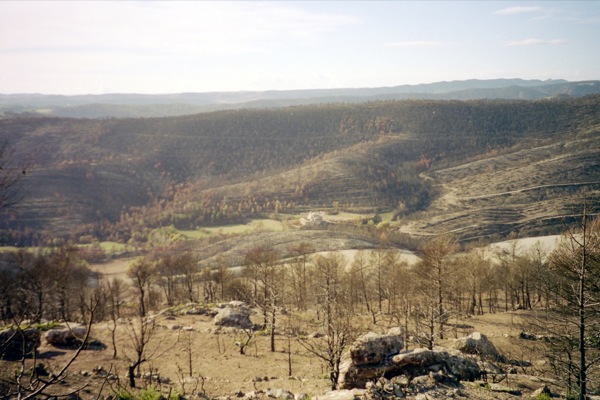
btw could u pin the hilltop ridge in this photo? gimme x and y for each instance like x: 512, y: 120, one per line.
x: 514, y: 165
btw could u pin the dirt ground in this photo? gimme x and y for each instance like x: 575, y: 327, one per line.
x: 218, y: 369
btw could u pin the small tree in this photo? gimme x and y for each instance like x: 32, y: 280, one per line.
x: 435, y: 270
x: 575, y: 319
x: 138, y: 350
x: 141, y: 273
x: 330, y: 295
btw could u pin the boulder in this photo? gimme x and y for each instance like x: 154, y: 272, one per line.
x: 238, y: 317
x: 15, y: 342
x: 70, y: 336
x: 374, y: 356
x: 369, y: 357
x: 477, y: 343
x: 422, y: 361
x: 343, y: 394
x: 540, y: 391
x: 373, y: 348
x: 280, y: 394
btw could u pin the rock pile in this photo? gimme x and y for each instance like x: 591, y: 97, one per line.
x: 369, y: 357
x: 373, y: 356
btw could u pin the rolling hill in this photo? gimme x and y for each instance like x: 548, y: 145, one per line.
x: 477, y: 168
x: 145, y: 105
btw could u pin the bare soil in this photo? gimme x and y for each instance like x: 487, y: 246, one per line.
x: 220, y: 370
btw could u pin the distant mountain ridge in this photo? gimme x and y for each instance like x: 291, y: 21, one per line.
x: 160, y: 105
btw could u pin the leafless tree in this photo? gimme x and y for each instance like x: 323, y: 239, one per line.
x: 330, y: 296
x: 435, y: 269
x: 141, y: 273
x: 575, y: 319
x: 301, y: 254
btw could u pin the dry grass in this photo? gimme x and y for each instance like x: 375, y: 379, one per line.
x: 216, y: 358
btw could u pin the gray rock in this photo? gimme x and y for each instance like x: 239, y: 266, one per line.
x: 344, y: 394
x: 422, y: 361
x: 70, y: 336
x: 234, y: 317
x: 372, y: 348
x: 373, y: 356
x: 543, y: 390
x: 281, y: 394
x: 368, y: 358
x: 477, y: 343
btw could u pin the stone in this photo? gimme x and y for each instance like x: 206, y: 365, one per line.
x: 280, y: 394
x: 396, y: 331
x: 233, y: 317
x: 422, y: 361
x: 343, y: 394
x: 369, y: 357
x: 372, y: 348
x: 527, y: 336
x: 14, y: 341
x: 374, y: 356
x: 69, y: 336
x: 543, y: 390
x: 477, y: 343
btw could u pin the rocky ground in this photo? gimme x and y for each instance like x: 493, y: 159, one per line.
x: 219, y: 370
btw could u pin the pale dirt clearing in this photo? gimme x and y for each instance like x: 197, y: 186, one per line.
x: 114, y: 268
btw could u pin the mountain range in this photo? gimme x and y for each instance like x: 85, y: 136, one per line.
x: 157, y: 105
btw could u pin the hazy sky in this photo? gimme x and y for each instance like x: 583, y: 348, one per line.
x: 77, y: 47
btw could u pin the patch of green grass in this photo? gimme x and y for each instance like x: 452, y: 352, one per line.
x: 253, y: 225
x: 386, y: 217
x: 123, y: 394
x: 46, y: 326
x: 150, y: 394
x: 267, y: 224
x: 113, y: 247
x: 8, y: 249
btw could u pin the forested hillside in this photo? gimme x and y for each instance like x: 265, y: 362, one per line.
x: 111, y: 178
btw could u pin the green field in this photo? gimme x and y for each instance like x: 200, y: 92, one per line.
x: 252, y: 226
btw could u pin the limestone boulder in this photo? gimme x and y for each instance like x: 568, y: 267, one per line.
x: 238, y: 317
x: 373, y: 348
x: 368, y: 358
x: 478, y: 344
x: 422, y: 361
x: 67, y: 337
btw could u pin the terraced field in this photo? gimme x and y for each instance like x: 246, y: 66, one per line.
x: 519, y: 191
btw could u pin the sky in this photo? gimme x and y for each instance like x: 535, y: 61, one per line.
x: 96, y: 47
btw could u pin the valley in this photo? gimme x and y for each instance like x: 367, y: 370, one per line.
x: 318, y: 223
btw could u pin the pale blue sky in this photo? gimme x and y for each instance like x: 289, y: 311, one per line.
x: 168, y: 47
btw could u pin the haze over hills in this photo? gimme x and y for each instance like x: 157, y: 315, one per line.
x: 143, y: 105
x: 477, y: 168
